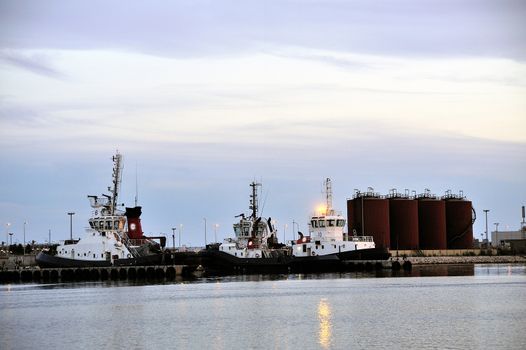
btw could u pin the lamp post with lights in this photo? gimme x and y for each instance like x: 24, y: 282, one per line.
x: 71, y: 225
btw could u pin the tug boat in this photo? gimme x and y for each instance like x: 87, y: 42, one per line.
x: 254, y: 249
x: 114, y: 237
x: 327, y: 248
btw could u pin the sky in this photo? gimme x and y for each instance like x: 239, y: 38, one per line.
x: 204, y: 97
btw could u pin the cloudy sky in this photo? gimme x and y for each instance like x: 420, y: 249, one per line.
x: 202, y: 97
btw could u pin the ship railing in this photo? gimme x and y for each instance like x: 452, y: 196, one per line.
x: 361, y: 238
x: 129, y: 243
x: 97, y: 202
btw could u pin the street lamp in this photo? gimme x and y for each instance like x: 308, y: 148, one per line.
x: 180, y: 233
x: 294, y: 232
x: 205, y: 231
x: 173, y: 236
x: 496, y: 232
x: 486, y: 213
x: 25, y: 223
x: 215, y: 231
x: 71, y: 225
x: 7, y: 235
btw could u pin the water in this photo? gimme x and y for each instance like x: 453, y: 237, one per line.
x: 480, y: 307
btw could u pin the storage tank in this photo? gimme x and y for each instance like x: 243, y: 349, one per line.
x: 350, y: 216
x: 403, y: 222
x: 459, y: 222
x: 373, y: 220
x: 431, y: 223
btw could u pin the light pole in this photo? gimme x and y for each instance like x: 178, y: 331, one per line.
x: 496, y: 231
x: 180, y: 233
x: 215, y: 232
x: 7, y: 236
x: 49, y: 241
x: 173, y: 237
x: 25, y: 222
x: 486, y: 213
x: 284, y: 233
x: 205, y: 231
x: 11, y: 238
x: 71, y: 225
x: 294, y: 232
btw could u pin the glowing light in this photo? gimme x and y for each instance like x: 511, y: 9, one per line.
x: 324, y: 317
x: 304, y: 239
x: 321, y: 209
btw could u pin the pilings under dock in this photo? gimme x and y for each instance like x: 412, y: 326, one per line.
x: 84, y: 274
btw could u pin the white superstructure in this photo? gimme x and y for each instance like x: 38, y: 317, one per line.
x: 105, y: 238
x: 254, y: 236
x: 326, y: 234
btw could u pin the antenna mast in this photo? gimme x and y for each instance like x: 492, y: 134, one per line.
x: 254, y: 199
x: 117, y: 178
x: 328, y: 196
x: 136, y: 185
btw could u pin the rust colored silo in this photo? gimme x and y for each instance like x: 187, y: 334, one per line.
x: 350, y: 216
x: 459, y: 223
x: 373, y: 220
x: 403, y: 219
x: 432, y: 224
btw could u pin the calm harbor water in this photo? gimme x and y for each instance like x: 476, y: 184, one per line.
x: 444, y: 307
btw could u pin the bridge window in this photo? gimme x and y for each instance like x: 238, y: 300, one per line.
x: 321, y: 223
x: 314, y: 223
x: 340, y: 223
x: 108, y: 225
x: 116, y: 225
x: 331, y: 222
x: 101, y: 224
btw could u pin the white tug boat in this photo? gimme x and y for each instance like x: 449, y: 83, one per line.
x: 255, y: 247
x: 327, y: 243
x: 114, y: 237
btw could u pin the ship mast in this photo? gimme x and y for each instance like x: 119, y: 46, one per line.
x: 254, y: 199
x: 117, y: 178
x: 328, y: 197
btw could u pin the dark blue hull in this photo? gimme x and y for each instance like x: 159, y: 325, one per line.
x: 221, y: 263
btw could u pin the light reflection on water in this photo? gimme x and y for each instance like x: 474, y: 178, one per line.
x: 324, y: 317
x: 463, y: 307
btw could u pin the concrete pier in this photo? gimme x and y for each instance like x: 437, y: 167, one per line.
x: 83, y: 274
x: 370, y: 265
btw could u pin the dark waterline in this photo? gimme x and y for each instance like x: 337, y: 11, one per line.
x: 433, y: 307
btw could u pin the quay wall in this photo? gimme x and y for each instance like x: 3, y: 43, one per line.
x: 442, y: 252
x: 481, y: 259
